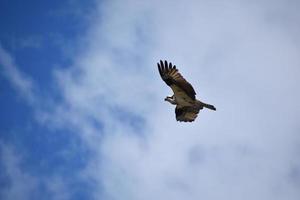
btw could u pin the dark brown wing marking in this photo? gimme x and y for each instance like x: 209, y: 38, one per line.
x: 186, y: 114
x: 170, y: 75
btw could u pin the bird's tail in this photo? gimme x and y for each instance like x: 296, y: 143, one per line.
x: 209, y: 106
x: 205, y: 105
x: 200, y: 105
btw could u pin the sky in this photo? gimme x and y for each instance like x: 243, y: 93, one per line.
x: 82, y: 104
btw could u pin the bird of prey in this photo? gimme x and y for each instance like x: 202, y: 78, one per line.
x: 187, y: 106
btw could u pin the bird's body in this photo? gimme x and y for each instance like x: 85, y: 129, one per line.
x: 187, y: 106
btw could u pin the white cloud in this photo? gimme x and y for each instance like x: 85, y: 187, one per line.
x: 234, y: 58
x: 20, y: 81
x: 58, y: 188
x: 20, y: 184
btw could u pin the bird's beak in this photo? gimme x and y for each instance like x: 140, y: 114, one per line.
x: 166, y: 98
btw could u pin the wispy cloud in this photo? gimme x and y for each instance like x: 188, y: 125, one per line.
x: 232, y: 56
x: 31, y: 42
x: 19, y: 184
x: 20, y: 81
x: 58, y: 188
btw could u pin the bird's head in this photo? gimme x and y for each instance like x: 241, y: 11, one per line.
x: 168, y: 98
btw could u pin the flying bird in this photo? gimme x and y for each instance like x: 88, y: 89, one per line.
x: 184, y: 97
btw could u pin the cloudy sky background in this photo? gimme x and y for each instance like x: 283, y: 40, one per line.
x: 82, y: 110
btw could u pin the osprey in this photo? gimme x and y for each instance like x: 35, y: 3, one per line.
x: 187, y: 106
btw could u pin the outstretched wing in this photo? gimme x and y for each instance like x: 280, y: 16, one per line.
x: 174, y: 79
x: 186, y: 113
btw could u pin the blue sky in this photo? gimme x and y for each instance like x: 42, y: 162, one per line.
x: 83, y: 115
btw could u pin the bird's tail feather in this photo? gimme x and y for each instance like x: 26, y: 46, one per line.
x: 209, y: 106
